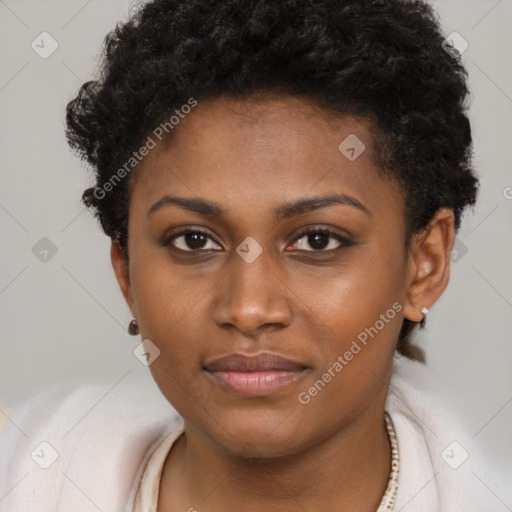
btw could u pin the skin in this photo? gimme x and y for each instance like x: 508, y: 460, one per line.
x: 274, y: 453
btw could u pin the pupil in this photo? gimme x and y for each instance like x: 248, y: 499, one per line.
x: 314, y: 241
x: 194, y: 240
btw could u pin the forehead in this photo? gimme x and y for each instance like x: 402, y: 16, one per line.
x: 262, y: 151
x: 280, y: 124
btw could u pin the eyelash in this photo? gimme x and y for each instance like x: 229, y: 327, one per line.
x: 344, y: 241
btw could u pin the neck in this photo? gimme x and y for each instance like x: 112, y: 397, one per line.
x: 347, y: 470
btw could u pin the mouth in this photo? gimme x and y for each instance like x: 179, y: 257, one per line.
x: 254, y: 375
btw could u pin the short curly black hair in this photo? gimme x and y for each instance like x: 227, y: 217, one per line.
x: 380, y: 59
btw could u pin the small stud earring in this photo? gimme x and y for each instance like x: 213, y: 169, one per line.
x: 133, y: 327
x: 424, y: 310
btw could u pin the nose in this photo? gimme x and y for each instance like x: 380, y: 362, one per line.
x: 253, y: 297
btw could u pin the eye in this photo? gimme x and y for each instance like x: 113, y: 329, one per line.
x: 190, y: 240
x: 318, y: 239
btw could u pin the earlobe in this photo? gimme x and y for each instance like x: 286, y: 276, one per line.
x: 429, y: 264
x: 122, y: 273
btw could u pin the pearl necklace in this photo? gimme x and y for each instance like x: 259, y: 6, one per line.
x: 388, y: 500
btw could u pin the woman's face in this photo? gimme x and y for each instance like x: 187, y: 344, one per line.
x: 248, y: 281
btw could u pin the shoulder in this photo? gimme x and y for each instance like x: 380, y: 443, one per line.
x: 80, y: 446
x: 442, y: 468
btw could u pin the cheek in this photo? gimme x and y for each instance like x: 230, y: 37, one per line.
x: 353, y: 296
x: 172, y: 304
x: 165, y: 295
x: 171, y: 314
x: 361, y: 304
x: 356, y: 359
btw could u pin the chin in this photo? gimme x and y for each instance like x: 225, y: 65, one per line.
x: 267, y: 438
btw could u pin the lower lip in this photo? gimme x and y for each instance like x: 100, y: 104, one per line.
x: 256, y: 383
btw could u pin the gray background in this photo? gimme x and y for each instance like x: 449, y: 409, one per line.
x: 65, y: 319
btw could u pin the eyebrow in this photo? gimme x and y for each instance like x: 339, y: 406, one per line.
x: 284, y: 211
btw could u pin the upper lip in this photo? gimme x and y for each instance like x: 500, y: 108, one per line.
x: 237, y: 362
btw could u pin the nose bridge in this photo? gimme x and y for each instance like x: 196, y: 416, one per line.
x: 252, y: 295
x: 253, y: 280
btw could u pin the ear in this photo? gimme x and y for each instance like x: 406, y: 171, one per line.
x: 429, y: 263
x: 121, y: 271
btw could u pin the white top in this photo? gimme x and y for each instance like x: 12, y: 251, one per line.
x: 146, y: 499
x: 102, y: 447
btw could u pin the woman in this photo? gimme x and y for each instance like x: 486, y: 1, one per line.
x: 282, y: 182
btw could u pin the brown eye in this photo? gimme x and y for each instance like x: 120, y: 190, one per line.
x: 191, y: 240
x: 321, y: 240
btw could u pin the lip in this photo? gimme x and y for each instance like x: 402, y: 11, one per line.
x: 254, y: 375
